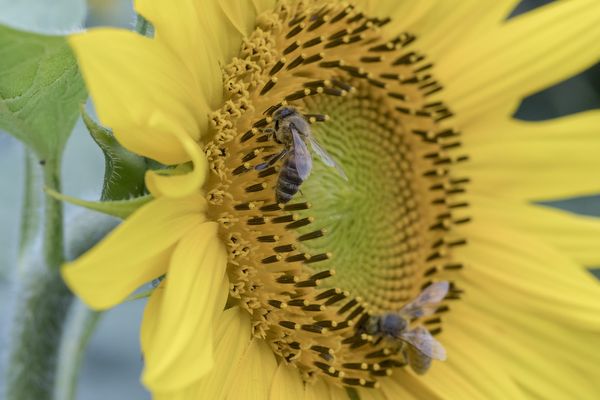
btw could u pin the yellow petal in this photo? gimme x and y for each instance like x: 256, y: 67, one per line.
x: 179, y: 185
x: 574, y: 235
x: 337, y: 392
x: 134, y: 253
x: 232, y: 340
x: 221, y: 302
x: 241, y: 14
x: 180, y: 26
x: 316, y: 390
x: 494, y: 14
x: 475, y: 365
x: 535, y: 161
x: 263, y: 5
x: 452, y: 23
x: 221, y: 33
x: 189, y: 393
x: 440, y: 26
x: 287, y: 383
x: 570, y: 345
x: 371, y: 394
x: 152, y: 312
x: 446, y: 25
x: 151, y: 317
x: 200, y: 34
x: 403, y: 14
x: 130, y: 78
x: 405, y: 385
x: 450, y: 383
x: 255, y: 373
x: 522, y: 272
x: 524, y: 55
x: 576, y: 127
x: 542, y: 358
x: 232, y: 335
x: 181, y: 350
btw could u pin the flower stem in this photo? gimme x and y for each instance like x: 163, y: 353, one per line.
x: 78, y: 331
x: 42, y: 299
x: 37, y: 326
x: 30, y: 220
x: 82, y: 232
x: 53, y: 244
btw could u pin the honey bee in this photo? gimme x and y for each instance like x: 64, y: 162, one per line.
x: 292, y: 130
x: 421, y: 347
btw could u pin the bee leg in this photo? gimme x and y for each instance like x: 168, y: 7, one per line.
x: 272, y: 160
x: 269, y: 132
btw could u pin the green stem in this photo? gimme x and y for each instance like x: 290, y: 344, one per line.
x: 78, y: 332
x: 53, y: 215
x: 41, y: 304
x: 82, y: 233
x: 32, y: 199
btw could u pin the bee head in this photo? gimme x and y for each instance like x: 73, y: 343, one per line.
x: 284, y: 112
x: 392, y: 324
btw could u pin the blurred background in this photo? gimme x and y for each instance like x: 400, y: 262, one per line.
x: 113, y: 361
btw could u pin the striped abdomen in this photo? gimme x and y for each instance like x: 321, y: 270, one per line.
x: 289, y: 181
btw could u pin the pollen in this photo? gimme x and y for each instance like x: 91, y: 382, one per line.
x: 313, y: 270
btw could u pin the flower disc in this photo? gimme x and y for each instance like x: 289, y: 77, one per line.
x: 312, y: 271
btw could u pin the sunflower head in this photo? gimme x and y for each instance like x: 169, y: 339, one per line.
x: 317, y: 215
x: 312, y: 270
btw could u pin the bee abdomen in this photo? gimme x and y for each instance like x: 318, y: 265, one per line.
x: 419, y: 362
x: 288, y: 182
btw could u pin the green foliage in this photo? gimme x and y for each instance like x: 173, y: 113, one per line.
x: 117, y: 208
x: 143, y: 26
x: 124, y: 171
x: 40, y: 90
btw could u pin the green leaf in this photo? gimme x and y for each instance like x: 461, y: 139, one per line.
x: 117, y: 208
x: 143, y: 26
x: 124, y: 171
x: 40, y: 90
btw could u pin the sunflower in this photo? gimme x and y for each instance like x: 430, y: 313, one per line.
x: 269, y: 298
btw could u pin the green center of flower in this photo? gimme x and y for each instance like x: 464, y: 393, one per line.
x: 313, y: 268
x: 371, y: 219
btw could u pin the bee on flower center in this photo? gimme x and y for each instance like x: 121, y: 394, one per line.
x: 421, y: 347
x: 291, y: 130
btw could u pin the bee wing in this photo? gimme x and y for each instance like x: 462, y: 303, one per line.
x: 426, y: 302
x: 421, y: 339
x: 302, y: 156
x: 418, y: 361
x: 326, y: 157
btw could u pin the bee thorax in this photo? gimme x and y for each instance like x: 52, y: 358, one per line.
x: 392, y: 324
